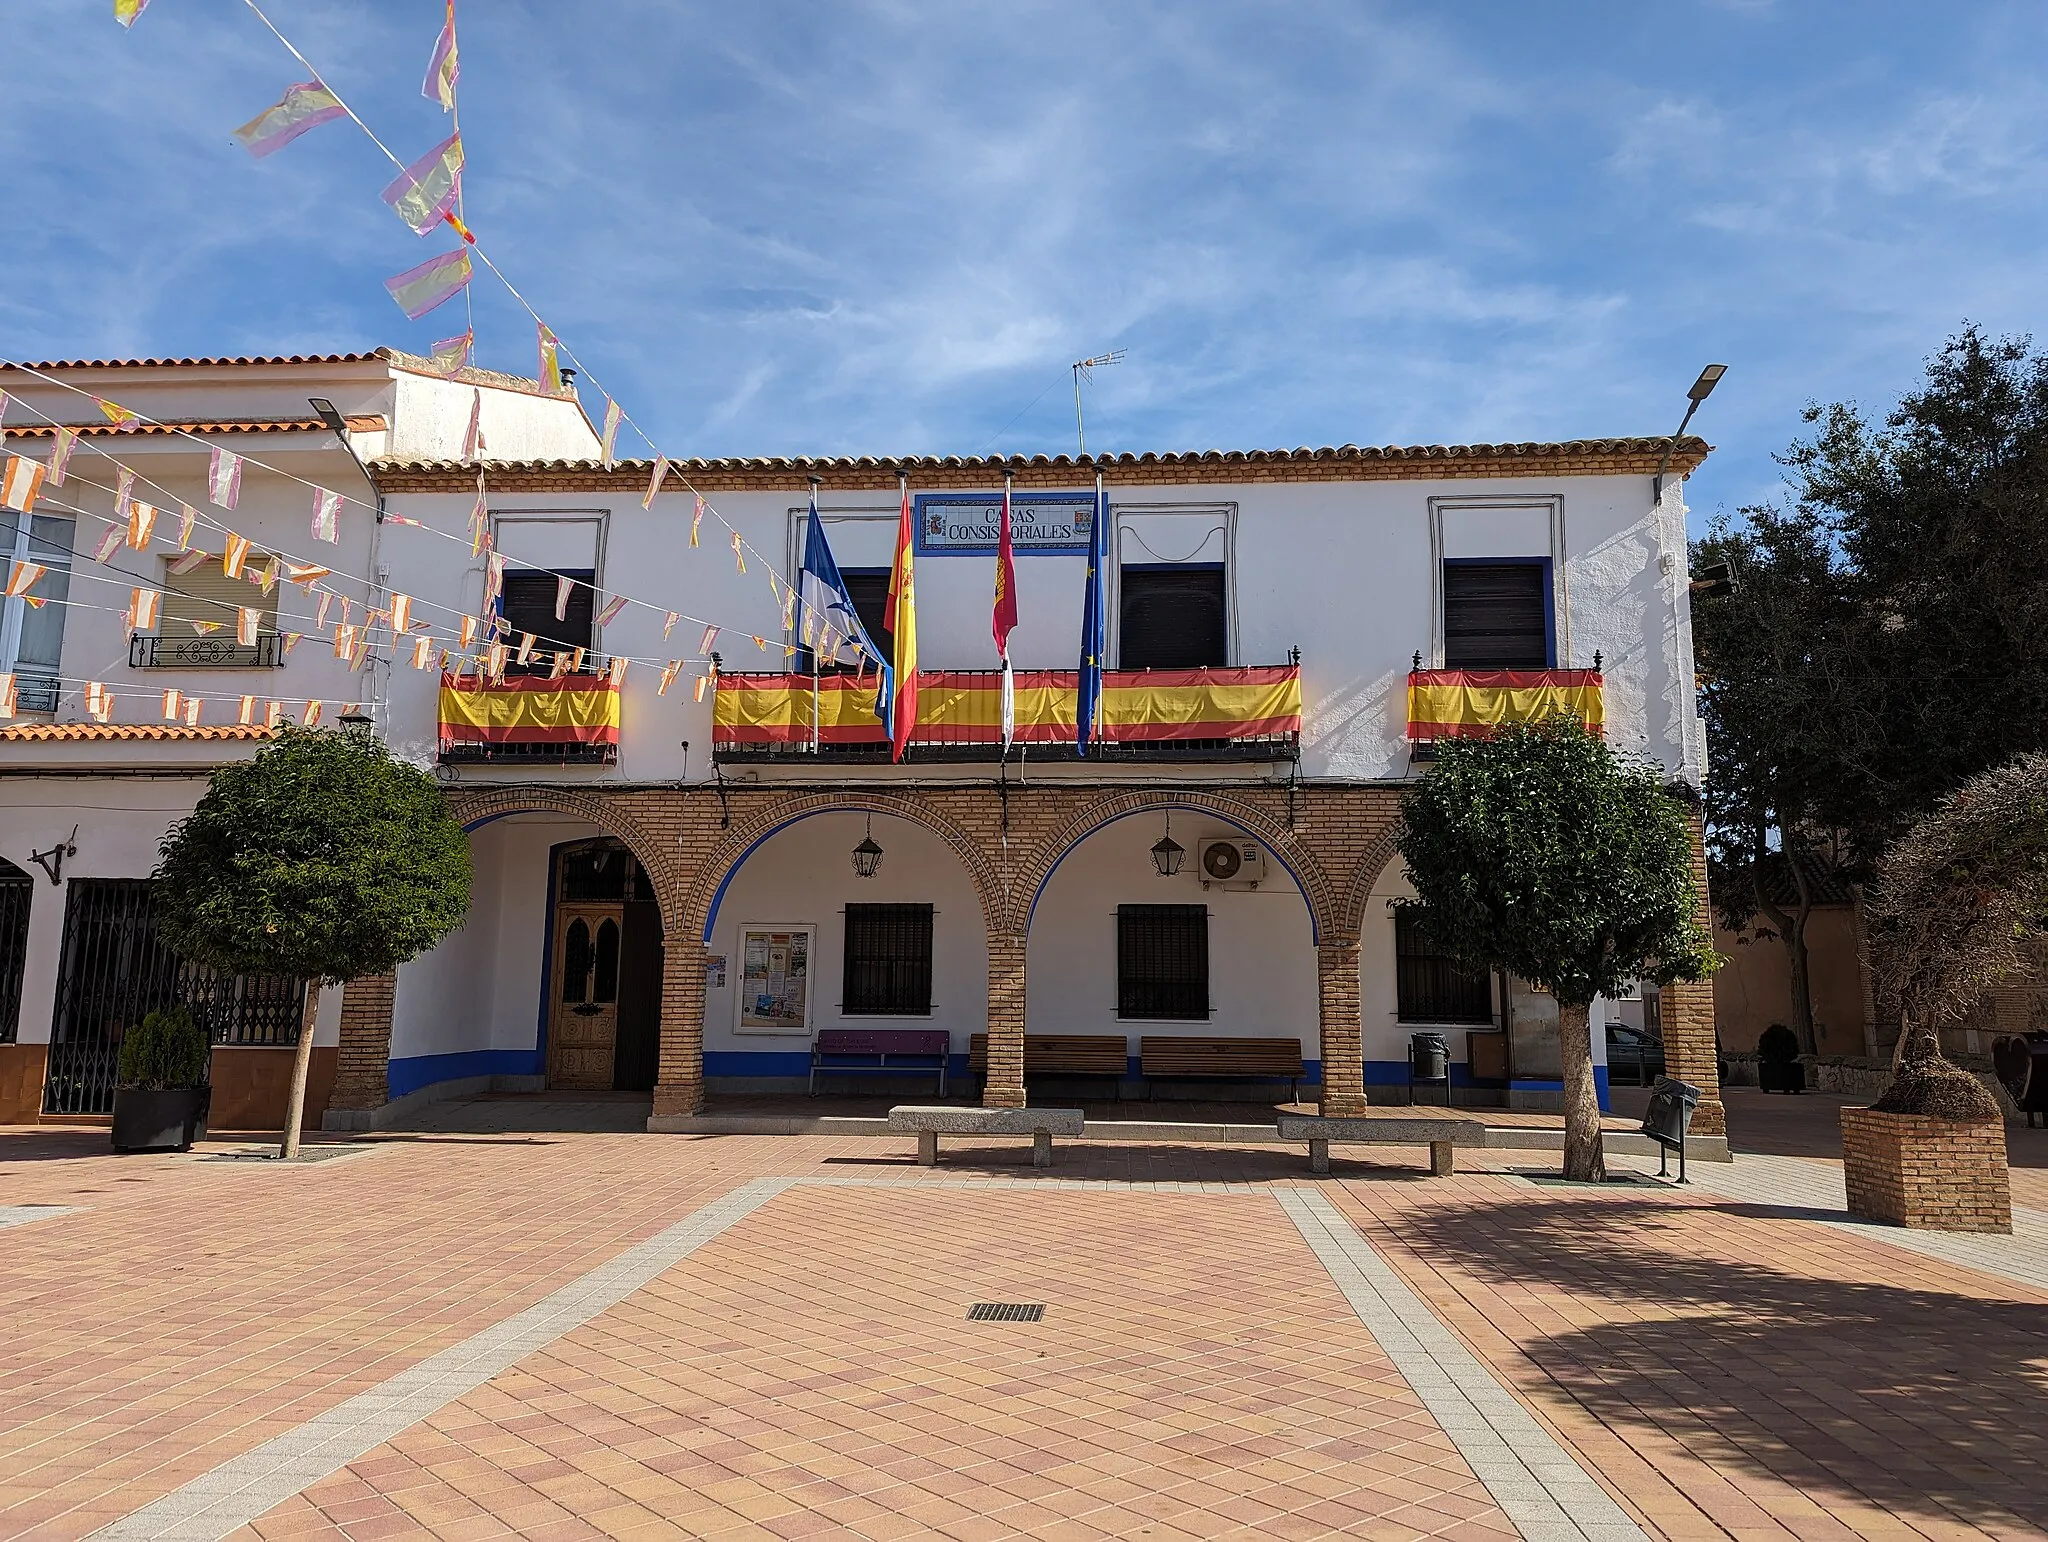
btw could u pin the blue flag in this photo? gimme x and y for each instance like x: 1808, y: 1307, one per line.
x: 1094, y: 626
x: 827, y: 604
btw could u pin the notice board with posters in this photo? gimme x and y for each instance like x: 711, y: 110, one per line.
x: 775, y: 979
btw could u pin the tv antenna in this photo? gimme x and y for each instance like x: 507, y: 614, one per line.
x: 1084, y: 369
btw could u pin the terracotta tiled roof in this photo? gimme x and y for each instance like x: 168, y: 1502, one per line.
x: 230, y: 732
x: 240, y: 359
x: 372, y: 422
x: 1580, y: 457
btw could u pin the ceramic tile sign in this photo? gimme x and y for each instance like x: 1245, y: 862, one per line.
x: 965, y: 524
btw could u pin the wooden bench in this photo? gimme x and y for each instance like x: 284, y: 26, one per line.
x: 1041, y: 1124
x: 1165, y: 1058
x: 889, y: 1051
x: 1442, y: 1136
x: 1062, y: 1054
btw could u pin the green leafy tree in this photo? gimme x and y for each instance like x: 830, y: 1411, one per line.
x: 1541, y: 852
x: 1779, y: 667
x: 322, y: 858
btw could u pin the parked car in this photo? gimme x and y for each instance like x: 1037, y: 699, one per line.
x: 1634, y: 1059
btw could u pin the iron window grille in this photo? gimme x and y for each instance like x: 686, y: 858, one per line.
x: 888, y: 968
x: 17, y: 891
x: 1162, y: 962
x: 1430, y: 984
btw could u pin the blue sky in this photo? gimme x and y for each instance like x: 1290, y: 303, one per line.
x: 845, y: 227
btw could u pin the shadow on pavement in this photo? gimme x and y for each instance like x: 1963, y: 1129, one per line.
x: 1924, y: 1402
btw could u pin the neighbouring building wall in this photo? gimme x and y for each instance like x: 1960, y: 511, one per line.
x: 1752, y: 989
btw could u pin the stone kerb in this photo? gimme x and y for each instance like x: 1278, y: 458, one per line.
x: 1929, y: 1174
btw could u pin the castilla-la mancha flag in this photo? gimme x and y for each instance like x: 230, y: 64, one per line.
x: 1004, y: 619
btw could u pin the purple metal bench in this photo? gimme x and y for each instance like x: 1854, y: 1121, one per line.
x: 894, y: 1051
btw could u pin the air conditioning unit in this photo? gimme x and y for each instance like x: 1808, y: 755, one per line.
x: 1230, y: 862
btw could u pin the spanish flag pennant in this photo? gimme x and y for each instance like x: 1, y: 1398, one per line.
x: 613, y: 415
x: 223, y: 477
x: 358, y: 653
x: 761, y: 643
x: 654, y: 484
x: 247, y: 714
x: 273, y: 714
x: 704, y: 644
x: 113, y: 538
x: 9, y: 696
x: 344, y: 640
x: 344, y: 609
x: 183, y: 564
x: 62, y: 442
x: 320, y: 616
x: 564, y: 587
x: 618, y: 672
x: 187, y: 518
x: 468, y: 633
x: 495, y: 665
x: 143, y: 606
x: 94, y: 693
x: 421, y: 647
x: 22, y: 577
x: 611, y: 611
x: 192, y: 704
x: 560, y: 666
x: 141, y: 523
x: 310, y: 718
x: 576, y: 662
x: 326, y: 516
x: 124, y: 491
x: 789, y: 610
x: 401, y: 613
x: 668, y: 625
x: 174, y: 701
x: 124, y: 421
x: 126, y: 11
x: 668, y: 675
x: 697, y: 519
x: 526, y: 642
x: 738, y: 554
x: 700, y: 686
x: 550, y: 361
x: 306, y: 574
x: 235, y: 556
x: 21, y: 482
x: 247, y: 620
x: 291, y: 641
x: 207, y: 628
x: 269, y: 578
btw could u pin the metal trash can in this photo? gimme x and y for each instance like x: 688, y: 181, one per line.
x: 1668, y: 1118
x: 1429, y: 1062
x: 2021, y: 1061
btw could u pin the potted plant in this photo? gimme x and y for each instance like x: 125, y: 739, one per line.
x: 1778, y: 1068
x: 161, y: 1101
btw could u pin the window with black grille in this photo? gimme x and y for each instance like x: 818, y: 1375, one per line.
x: 1430, y: 985
x: 1162, y: 961
x: 888, y: 961
x: 1496, y: 615
x: 529, y: 606
x: 1171, y: 616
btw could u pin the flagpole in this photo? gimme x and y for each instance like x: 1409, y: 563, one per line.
x: 800, y: 602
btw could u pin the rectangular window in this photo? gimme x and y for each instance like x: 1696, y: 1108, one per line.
x: 208, y: 597
x: 1496, y: 615
x: 1172, y: 616
x: 888, y: 961
x: 1430, y: 985
x: 1162, y: 962
x: 529, y: 606
x: 32, y: 637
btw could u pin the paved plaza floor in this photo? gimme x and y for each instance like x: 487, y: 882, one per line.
x: 538, y: 1323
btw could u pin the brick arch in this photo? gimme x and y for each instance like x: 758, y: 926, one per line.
x: 1365, y: 874
x: 699, y: 907
x: 659, y: 860
x: 1292, y: 852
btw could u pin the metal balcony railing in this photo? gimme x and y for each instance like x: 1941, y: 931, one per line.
x: 211, y: 651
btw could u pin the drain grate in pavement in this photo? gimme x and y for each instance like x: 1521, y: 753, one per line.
x: 269, y: 1154
x: 1006, y: 1311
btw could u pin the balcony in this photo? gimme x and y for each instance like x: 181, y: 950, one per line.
x: 1188, y: 715
x: 529, y: 720
x: 209, y: 652
x: 1472, y: 703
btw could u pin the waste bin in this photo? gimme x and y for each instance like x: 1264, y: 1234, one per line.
x: 2021, y: 1061
x: 1668, y: 1118
x: 1429, y: 1061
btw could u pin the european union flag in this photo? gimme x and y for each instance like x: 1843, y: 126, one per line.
x: 1094, y: 626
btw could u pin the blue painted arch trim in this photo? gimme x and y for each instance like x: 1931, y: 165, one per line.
x: 1300, y: 888
x: 732, y: 871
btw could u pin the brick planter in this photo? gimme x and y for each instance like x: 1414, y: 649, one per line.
x: 1934, y: 1174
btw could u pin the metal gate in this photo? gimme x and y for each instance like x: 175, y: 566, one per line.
x: 114, y: 971
x: 16, y: 890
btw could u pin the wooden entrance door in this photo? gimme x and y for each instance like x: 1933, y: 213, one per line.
x: 583, y: 1025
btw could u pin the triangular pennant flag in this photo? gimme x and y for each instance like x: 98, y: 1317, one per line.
x: 326, y: 516
x: 247, y: 714
x: 207, y: 628
x: 739, y: 554
x: 22, y: 577
x: 291, y: 641
x: 311, y: 716
x: 434, y: 282
x: 269, y: 579
x: 421, y: 646
x: 611, y: 611
x: 668, y: 624
x: 183, y: 564
x: 125, y: 11
x: 700, y: 686
x: 235, y: 556
x: 124, y: 421
x: 427, y: 189
x: 494, y: 579
x: 21, y: 482
x: 62, y: 442
x: 618, y: 673
x: 668, y: 675
x: 468, y: 633
x: 141, y: 523
x: 187, y: 518
x: 326, y: 599
x: 563, y: 586
x: 452, y: 353
x: 113, y: 538
x: 710, y: 637
x: 612, y: 417
x: 654, y: 483
x: 550, y: 360
x: 697, y: 519
x: 560, y: 666
x: 576, y: 661
x: 473, y: 435
x: 526, y: 642
x: 124, y: 491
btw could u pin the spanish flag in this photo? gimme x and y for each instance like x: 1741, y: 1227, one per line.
x: 900, y: 621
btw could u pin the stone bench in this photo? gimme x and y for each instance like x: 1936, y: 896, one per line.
x: 1442, y: 1136
x: 929, y: 1123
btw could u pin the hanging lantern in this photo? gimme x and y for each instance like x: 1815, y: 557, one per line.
x: 1168, y: 854
x: 867, y: 856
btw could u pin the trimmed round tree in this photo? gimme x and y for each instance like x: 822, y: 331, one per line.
x: 322, y: 859
x: 1541, y: 852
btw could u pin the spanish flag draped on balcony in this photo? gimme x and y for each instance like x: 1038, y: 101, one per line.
x: 896, y: 703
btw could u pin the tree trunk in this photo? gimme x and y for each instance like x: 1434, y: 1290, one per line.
x: 302, y: 1062
x: 1585, y: 1159
x: 1791, y: 930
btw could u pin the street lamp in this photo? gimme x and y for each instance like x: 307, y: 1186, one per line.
x: 1702, y: 388
x: 1167, y: 853
x: 867, y: 856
